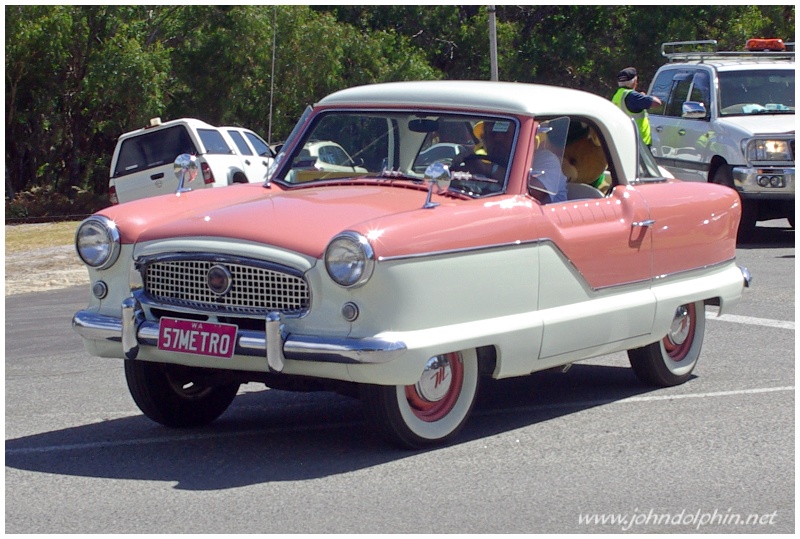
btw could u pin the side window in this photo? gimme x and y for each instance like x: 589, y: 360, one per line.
x: 213, y: 141
x: 153, y: 149
x: 679, y: 93
x: 660, y: 89
x: 261, y: 147
x: 701, y: 89
x: 238, y: 139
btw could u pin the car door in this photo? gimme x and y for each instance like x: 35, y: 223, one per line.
x: 255, y: 153
x: 679, y: 142
x: 596, y: 273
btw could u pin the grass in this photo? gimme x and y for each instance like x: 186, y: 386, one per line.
x: 38, y: 236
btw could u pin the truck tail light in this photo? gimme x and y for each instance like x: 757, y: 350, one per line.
x: 208, y: 176
x: 112, y: 195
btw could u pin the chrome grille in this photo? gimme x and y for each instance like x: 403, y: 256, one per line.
x: 255, y: 289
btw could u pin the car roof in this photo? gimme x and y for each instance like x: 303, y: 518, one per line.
x: 192, y: 122
x: 734, y: 64
x: 497, y: 97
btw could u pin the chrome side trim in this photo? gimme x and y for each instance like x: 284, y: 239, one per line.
x: 132, y: 331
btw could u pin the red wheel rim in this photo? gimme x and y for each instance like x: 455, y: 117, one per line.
x: 679, y: 340
x: 435, y: 395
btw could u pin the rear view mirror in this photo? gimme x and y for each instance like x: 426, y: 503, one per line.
x: 423, y: 125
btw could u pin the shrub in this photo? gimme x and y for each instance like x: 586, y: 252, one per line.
x: 43, y: 204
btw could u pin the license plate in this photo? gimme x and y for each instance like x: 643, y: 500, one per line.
x: 193, y: 337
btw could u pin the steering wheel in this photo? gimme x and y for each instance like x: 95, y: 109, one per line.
x: 497, y: 160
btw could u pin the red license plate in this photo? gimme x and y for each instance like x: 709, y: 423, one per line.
x: 193, y: 337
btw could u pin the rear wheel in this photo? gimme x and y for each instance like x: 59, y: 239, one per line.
x: 177, y: 396
x: 671, y: 360
x: 431, y: 411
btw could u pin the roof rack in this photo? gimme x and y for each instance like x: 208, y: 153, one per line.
x: 707, y: 50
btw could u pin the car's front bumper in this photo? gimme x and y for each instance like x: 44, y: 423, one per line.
x: 133, y: 331
x: 749, y: 182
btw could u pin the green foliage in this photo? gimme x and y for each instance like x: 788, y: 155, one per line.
x: 78, y: 76
x: 44, y: 201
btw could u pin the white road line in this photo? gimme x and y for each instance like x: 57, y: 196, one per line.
x: 766, y: 322
x: 327, y: 426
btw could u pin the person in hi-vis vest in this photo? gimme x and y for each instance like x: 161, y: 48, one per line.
x: 634, y: 103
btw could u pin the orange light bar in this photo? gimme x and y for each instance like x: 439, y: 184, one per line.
x: 763, y: 44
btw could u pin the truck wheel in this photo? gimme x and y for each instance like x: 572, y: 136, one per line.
x: 177, y: 396
x: 671, y: 360
x: 431, y: 411
x: 747, y: 226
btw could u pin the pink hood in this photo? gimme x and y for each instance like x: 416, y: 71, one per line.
x: 304, y: 220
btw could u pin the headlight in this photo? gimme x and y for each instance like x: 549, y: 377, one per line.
x: 768, y: 150
x: 349, y: 259
x: 97, y: 242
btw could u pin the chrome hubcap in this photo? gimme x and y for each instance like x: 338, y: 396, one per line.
x: 681, y: 326
x: 436, y: 379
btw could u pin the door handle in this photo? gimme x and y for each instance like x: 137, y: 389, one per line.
x: 659, y: 129
x: 681, y: 132
x: 645, y: 223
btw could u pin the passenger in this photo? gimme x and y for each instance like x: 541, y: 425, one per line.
x: 547, y: 182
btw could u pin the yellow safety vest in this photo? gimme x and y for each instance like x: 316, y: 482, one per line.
x: 642, y: 122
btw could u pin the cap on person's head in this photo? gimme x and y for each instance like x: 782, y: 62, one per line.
x: 627, y: 74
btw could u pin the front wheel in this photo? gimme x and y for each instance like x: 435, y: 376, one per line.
x: 431, y: 411
x: 723, y: 175
x: 671, y: 360
x: 177, y: 396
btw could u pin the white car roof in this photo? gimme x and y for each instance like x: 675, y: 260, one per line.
x: 739, y: 64
x: 499, y: 97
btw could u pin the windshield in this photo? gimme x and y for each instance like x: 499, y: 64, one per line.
x: 345, y: 145
x: 756, y: 92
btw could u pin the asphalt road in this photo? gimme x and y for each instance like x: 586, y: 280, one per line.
x: 592, y: 450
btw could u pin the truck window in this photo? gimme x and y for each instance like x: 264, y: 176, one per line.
x: 153, y: 149
x: 213, y: 141
x: 679, y: 93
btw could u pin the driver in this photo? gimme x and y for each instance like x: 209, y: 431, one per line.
x: 492, y: 155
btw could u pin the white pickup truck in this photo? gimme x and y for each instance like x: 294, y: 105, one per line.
x: 142, y: 165
x: 728, y: 118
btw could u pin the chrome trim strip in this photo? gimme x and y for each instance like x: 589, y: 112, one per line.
x: 133, y: 332
x: 561, y: 254
x: 432, y: 254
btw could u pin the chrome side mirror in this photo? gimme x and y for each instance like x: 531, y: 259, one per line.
x: 438, y: 177
x: 693, y: 110
x: 185, y: 168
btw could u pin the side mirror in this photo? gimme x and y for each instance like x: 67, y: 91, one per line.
x: 438, y: 177
x: 693, y: 110
x: 185, y: 168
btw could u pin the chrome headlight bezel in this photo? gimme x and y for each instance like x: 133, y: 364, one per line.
x: 349, y: 259
x: 97, y: 242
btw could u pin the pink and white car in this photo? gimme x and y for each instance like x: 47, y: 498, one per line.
x: 407, y: 287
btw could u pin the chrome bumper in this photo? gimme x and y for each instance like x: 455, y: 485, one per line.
x: 132, y: 331
x: 747, y: 182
